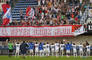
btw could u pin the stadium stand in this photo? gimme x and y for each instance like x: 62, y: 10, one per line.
x: 51, y: 14
x: 22, y: 5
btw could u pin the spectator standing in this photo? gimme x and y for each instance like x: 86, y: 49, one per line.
x: 90, y: 2
x: 39, y: 2
x: 80, y: 1
x: 43, y: 2
x: 21, y: 14
x: 64, y: 1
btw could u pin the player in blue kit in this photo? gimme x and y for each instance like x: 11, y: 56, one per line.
x: 41, y: 49
x: 24, y: 48
x: 31, y: 48
x: 68, y: 48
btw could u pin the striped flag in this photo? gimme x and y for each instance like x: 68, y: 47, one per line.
x: 27, y: 10
x: 7, y: 17
x: 30, y: 12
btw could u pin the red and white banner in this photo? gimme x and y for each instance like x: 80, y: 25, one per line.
x: 44, y: 31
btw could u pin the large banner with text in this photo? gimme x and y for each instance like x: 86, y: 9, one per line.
x: 43, y: 31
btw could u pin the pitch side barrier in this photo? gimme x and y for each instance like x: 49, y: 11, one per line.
x: 41, y: 31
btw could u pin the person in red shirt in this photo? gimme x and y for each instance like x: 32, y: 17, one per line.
x: 72, y: 15
x: 76, y: 19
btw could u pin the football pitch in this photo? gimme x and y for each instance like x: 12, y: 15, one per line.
x: 44, y: 58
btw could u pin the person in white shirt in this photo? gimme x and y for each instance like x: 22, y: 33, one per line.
x: 64, y: 1
x: 88, y: 50
x: 47, y: 49
x: 80, y: 13
x: 91, y: 1
x: 56, y: 49
x: 74, y: 49
x: 17, y: 49
x: 62, y: 46
x: 44, y: 49
x: 43, y: 2
x: 52, y: 49
x: 39, y: 2
x: 36, y: 49
x: 81, y: 50
x: 80, y: 1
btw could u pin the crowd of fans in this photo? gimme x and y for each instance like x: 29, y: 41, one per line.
x: 54, y: 12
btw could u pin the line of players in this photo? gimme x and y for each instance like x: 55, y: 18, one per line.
x: 55, y: 49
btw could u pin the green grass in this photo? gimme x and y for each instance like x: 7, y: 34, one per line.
x: 44, y: 58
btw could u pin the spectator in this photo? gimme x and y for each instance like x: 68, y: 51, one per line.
x: 39, y: 2
x: 21, y: 14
